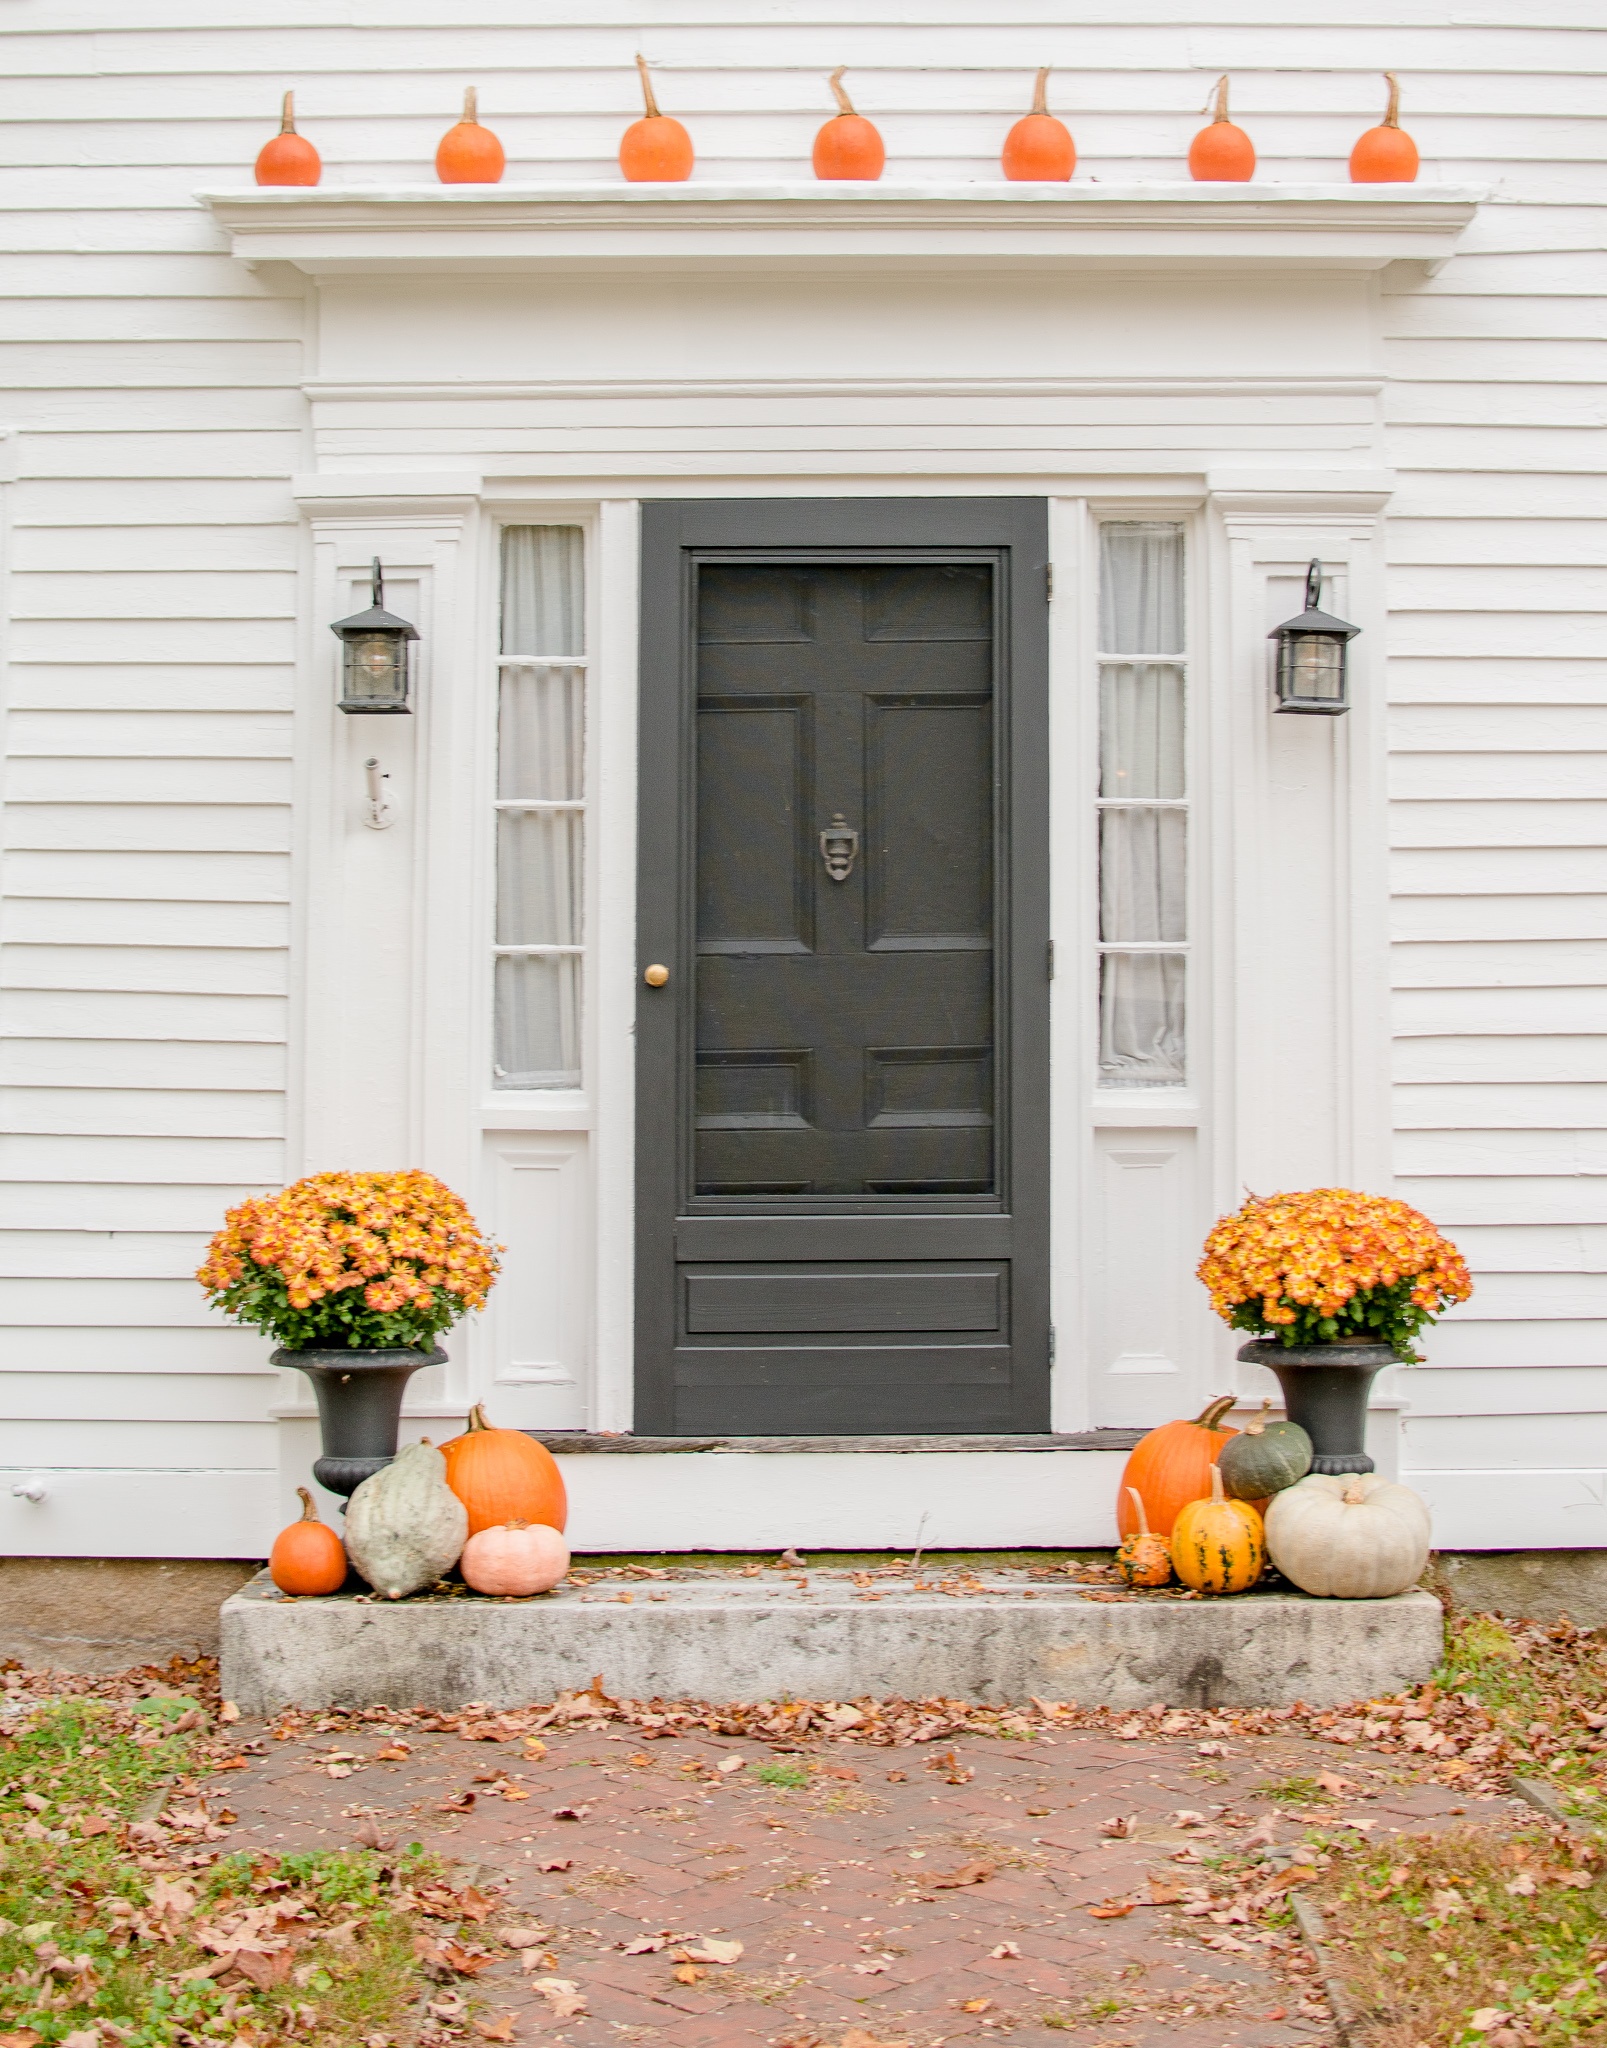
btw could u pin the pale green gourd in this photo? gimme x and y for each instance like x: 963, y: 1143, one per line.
x: 405, y: 1526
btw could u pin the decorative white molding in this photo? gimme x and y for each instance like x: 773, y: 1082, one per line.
x: 808, y: 225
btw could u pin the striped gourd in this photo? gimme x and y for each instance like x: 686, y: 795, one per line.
x: 1219, y: 1545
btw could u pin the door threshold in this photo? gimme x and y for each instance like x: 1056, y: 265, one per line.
x: 572, y: 1442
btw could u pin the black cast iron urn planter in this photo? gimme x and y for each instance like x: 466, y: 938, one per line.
x: 359, y: 1407
x: 1325, y: 1389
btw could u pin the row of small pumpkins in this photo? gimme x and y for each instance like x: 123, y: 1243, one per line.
x: 1213, y: 1505
x: 657, y: 150
x: 490, y: 1501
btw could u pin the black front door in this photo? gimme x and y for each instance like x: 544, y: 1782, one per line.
x: 842, y: 1087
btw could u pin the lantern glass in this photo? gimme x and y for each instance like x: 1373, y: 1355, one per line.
x: 1311, y: 671
x: 374, y: 674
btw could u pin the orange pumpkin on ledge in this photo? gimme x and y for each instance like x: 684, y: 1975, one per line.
x: 502, y: 1476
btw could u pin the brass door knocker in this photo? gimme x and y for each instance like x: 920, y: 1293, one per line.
x: 838, y: 845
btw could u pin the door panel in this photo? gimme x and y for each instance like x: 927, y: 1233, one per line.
x: 843, y: 825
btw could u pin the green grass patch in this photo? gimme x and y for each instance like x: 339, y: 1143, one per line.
x: 1431, y: 1933
x: 97, y: 1923
x: 793, y: 1776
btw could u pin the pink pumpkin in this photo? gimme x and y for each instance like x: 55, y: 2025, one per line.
x: 515, y: 1559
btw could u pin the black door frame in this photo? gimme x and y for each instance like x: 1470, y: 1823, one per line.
x: 1015, y: 1222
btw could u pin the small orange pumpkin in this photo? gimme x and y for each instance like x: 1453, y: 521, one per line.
x: 308, y: 1558
x: 502, y: 1475
x: 1222, y: 154
x: 515, y: 1559
x: 1385, y: 155
x: 289, y: 159
x: 1172, y: 1466
x: 655, y: 150
x: 1219, y: 1545
x: 469, y: 154
x: 1039, y: 148
x: 1143, y: 1559
x: 848, y: 146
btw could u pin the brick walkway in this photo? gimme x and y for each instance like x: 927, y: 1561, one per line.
x: 835, y: 1889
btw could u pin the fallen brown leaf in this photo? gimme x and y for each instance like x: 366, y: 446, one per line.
x: 556, y: 1863
x: 1164, y: 1892
x: 708, y: 1950
x: 570, y: 1812
x: 976, y: 2005
x: 500, y: 2029
x: 684, y: 1973
x: 460, y: 1802
x: 956, y: 1880
x: 565, y: 1997
x: 1112, y: 1909
x: 1007, y: 1951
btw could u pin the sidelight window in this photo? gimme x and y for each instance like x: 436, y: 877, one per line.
x: 541, y: 809
x: 1143, y: 806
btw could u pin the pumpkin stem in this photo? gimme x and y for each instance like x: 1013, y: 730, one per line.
x: 476, y: 1420
x: 1353, y: 1496
x: 309, y: 1508
x: 1392, y: 113
x: 1217, y: 105
x: 1211, y: 1414
x: 1257, y: 1424
x: 647, y: 88
x: 1138, y: 1505
x: 1040, y: 92
x: 471, y: 105
x: 844, y: 104
x: 287, y: 119
x: 1218, y: 1497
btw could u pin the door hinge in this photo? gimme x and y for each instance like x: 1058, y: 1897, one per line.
x: 1049, y: 960
x: 1048, y: 582
x: 1051, y: 1343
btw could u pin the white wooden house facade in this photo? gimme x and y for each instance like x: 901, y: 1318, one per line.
x: 1378, y: 963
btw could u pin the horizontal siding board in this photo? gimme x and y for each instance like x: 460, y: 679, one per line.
x: 100, y: 1511
x: 148, y: 827
x: 107, y: 1207
x: 184, y: 1018
x: 1546, y: 1341
x: 90, y: 1445
x: 233, y: 970
x: 1521, y: 1442
x: 1504, y: 777
x: 101, y: 1254
x: 67, y: 686
x: 256, y: 1162
x: 141, y: 1063
x: 149, y: 1399
x: 71, y: 1348
x: 1525, y: 1012
x: 1533, y: 1248
x: 1498, y: 964
x: 156, y: 1304
x: 143, y: 1112
x: 1452, y: 1061
x: 1518, y: 1153
x: 1424, y: 918
x: 1454, y: 1200
x: 1560, y: 1105
x: 1514, y: 822
x: 91, y: 876
x: 79, y: 921
x: 1539, y: 873
x: 1433, y: 1391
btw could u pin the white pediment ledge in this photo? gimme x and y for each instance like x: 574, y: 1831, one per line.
x: 808, y: 225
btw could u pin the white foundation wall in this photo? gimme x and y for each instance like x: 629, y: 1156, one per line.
x: 159, y: 399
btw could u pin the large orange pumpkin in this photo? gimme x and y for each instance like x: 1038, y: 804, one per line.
x: 1385, y: 155
x: 289, y: 159
x: 1038, y: 147
x: 1222, y: 154
x: 1172, y: 1466
x: 469, y: 154
x: 502, y: 1475
x: 655, y: 150
x: 308, y: 1558
x: 848, y: 146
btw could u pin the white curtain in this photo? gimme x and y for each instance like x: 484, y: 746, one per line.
x: 1143, y: 848
x: 541, y: 724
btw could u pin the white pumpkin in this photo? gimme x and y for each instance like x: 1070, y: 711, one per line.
x: 1349, y: 1536
x: 405, y: 1525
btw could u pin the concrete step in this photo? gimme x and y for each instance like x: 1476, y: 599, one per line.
x: 717, y: 1634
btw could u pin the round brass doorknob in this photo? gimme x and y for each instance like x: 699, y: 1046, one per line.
x: 656, y: 976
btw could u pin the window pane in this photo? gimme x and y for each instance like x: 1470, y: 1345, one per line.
x: 541, y: 725
x: 1140, y: 731
x: 538, y: 1022
x: 543, y: 590
x: 1143, y: 872
x: 1140, y: 588
x: 539, y: 878
x: 1141, y: 1020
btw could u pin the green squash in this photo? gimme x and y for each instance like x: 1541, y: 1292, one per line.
x: 1264, y: 1457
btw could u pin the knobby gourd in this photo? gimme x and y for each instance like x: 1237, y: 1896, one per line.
x: 848, y: 146
x: 1039, y: 147
x: 1222, y: 154
x: 1265, y: 1457
x: 502, y: 1475
x: 1219, y: 1545
x: 655, y: 150
x: 1171, y: 1466
x: 469, y: 154
x: 515, y: 1559
x: 308, y: 1558
x: 1385, y: 155
x: 289, y: 158
x: 405, y: 1526
x: 1143, y: 1559
x: 1349, y: 1536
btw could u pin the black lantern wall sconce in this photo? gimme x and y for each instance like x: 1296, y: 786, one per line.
x: 376, y: 656
x: 1312, y: 656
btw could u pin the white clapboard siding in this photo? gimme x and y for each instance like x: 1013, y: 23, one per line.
x: 153, y: 548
